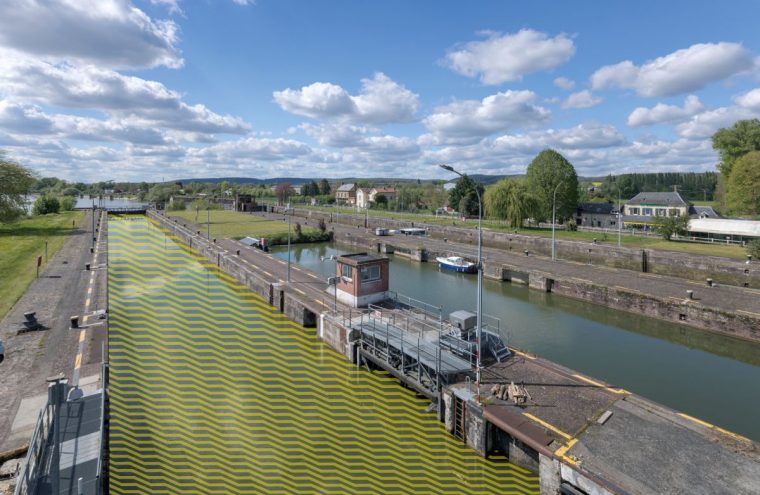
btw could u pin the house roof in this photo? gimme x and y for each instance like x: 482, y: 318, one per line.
x: 658, y: 199
x: 346, y: 187
x: 703, y: 212
x: 598, y: 208
x: 725, y: 226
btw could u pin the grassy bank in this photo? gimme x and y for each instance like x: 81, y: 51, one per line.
x: 231, y: 224
x: 628, y: 240
x: 20, y: 244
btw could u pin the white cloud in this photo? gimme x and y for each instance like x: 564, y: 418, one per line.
x: 89, y: 87
x: 381, y: 101
x: 467, y: 120
x: 703, y: 125
x: 564, y: 83
x: 502, y: 58
x: 661, y: 113
x: 110, y: 33
x: 750, y: 99
x: 679, y: 72
x: 583, y: 136
x: 361, y: 140
x: 581, y: 99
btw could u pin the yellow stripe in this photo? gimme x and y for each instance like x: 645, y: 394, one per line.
x: 81, y: 336
x: 602, y: 385
x: 547, y: 425
x: 78, y: 361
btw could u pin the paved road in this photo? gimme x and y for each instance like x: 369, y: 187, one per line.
x: 59, y: 293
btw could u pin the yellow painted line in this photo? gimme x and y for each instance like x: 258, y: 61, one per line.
x: 87, y: 302
x: 313, y: 276
x: 523, y: 354
x: 81, y: 336
x: 300, y: 291
x: 560, y: 452
x: 85, y: 318
x: 601, y: 385
x: 713, y: 427
x: 266, y: 272
x: 89, y: 291
x: 547, y: 425
x: 78, y: 361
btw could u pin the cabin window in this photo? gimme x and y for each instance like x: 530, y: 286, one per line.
x: 661, y: 212
x: 675, y: 213
x: 346, y: 271
x: 634, y: 211
x: 648, y: 212
x: 371, y: 273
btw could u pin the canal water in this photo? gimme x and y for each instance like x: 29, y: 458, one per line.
x: 714, y: 378
x: 213, y: 391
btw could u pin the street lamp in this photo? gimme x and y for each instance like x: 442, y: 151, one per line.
x: 479, y: 317
x: 554, y: 221
x: 287, y: 210
x: 620, y: 218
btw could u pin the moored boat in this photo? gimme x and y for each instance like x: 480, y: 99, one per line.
x: 457, y: 264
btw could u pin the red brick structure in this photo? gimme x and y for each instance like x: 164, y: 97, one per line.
x: 362, y: 279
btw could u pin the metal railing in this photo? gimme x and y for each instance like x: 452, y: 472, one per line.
x: 28, y: 477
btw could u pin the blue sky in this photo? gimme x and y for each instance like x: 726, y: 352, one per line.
x: 140, y: 90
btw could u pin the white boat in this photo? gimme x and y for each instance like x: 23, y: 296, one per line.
x: 457, y: 264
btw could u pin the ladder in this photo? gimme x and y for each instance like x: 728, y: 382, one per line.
x: 459, y: 413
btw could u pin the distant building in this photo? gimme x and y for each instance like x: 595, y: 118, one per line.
x: 643, y: 209
x: 388, y: 192
x: 346, y: 194
x: 600, y: 215
x: 724, y: 229
x: 363, y: 197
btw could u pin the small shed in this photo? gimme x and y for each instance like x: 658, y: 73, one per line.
x: 362, y: 279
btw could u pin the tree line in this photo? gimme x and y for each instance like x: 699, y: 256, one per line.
x: 739, y: 150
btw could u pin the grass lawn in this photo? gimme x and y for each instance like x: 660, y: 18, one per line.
x: 232, y: 224
x: 648, y: 242
x: 20, y: 244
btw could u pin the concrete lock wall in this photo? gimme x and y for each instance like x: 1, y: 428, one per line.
x: 722, y: 270
x: 686, y: 311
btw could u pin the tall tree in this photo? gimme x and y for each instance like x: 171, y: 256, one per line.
x: 324, y: 187
x: 734, y: 142
x: 463, y: 196
x: 15, y: 182
x: 549, y: 171
x: 283, y: 191
x: 510, y: 200
x: 744, y: 185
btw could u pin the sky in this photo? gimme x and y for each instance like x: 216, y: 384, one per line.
x: 153, y: 90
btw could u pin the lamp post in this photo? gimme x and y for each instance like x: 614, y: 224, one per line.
x: 479, y: 311
x: 554, y: 221
x: 620, y: 218
x: 287, y: 210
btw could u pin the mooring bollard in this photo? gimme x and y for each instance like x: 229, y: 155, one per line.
x: 527, y: 252
x: 709, y: 282
x: 74, y: 322
x: 87, y: 267
x: 237, y: 252
x: 690, y: 293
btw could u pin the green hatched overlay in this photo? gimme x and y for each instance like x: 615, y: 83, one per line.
x: 212, y: 391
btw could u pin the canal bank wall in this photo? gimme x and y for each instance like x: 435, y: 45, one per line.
x: 692, y: 267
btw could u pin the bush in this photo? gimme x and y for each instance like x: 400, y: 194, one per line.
x: 45, y: 205
x: 204, y: 204
x: 322, y: 225
x: 67, y: 203
x: 753, y: 249
x: 176, y: 205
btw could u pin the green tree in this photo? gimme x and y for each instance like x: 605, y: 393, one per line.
x: 744, y: 185
x: 15, y: 182
x: 464, y: 197
x: 549, y: 171
x: 734, y: 142
x: 324, y: 187
x: 381, y: 201
x: 67, y: 203
x: 45, y: 205
x: 669, y: 226
x: 510, y: 200
x: 753, y: 249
